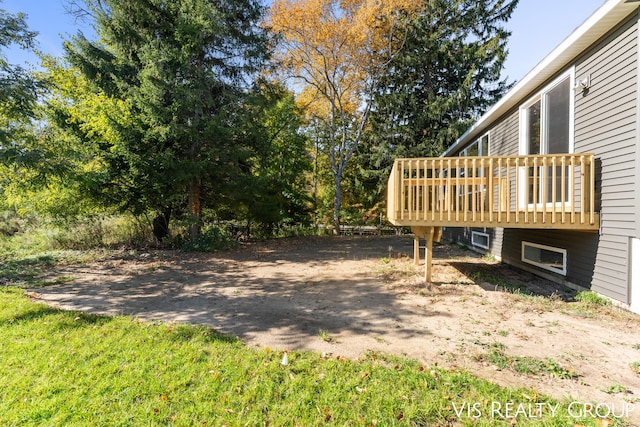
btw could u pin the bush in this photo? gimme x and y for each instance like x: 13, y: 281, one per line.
x: 591, y: 298
x: 210, y: 240
x: 41, y: 234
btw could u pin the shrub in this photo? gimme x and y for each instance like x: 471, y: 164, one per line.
x: 210, y: 240
x: 591, y: 299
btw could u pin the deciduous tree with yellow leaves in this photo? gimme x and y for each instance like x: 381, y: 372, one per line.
x: 331, y: 51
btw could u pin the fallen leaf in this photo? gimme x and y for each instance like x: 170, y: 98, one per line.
x: 604, y: 422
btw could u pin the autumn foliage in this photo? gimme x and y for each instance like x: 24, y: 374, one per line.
x: 333, y: 50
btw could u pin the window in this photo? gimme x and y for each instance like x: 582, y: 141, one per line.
x: 546, y: 127
x: 546, y: 257
x: 479, y: 147
x: 480, y: 240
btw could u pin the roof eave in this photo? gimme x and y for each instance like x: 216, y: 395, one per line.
x: 607, y: 17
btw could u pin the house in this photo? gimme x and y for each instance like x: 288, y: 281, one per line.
x: 548, y: 179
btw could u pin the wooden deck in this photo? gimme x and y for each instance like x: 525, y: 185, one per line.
x: 540, y: 191
x: 544, y: 191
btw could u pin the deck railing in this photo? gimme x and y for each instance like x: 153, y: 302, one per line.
x: 537, y: 191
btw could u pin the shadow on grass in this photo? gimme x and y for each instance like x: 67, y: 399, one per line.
x: 23, y: 269
x: 36, y: 312
x: 62, y: 319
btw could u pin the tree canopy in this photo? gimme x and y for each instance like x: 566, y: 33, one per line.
x: 446, y: 75
x: 203, y: 111
x: 178, y: 72
x: 18, y: 89
x: 334, y: 49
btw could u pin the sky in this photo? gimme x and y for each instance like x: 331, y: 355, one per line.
x: 537, y: 27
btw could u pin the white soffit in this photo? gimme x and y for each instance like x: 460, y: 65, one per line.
x: 612, y: 13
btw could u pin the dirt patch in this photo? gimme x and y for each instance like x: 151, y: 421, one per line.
x: 344, y: 296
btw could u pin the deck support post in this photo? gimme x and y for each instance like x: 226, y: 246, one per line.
x: 431, y: 234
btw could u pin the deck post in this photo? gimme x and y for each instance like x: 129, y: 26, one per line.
x: 431, y: 234
x: 428, y: 254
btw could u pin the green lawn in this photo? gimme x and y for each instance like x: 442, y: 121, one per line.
x: 68, y: 368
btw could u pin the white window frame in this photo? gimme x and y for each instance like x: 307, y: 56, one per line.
x: 474, y: 234
x: 562, y: 271
x: 477, y: 142
x: 523, y: 141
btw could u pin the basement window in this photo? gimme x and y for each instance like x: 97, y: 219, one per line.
x: 545, y: 257
x: 480, y: 240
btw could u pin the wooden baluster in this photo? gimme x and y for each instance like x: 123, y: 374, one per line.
x: 592, y: 189
x: 491, y: 191
x: 526, y: 190
x: 544, y: 180
x: 425, y: 191
x: 434, y: 188
x: 457, y: 162
x: 563, y: 187
x: 583, y: 187
x: 554, y: 190
x: 572, y: 181
x: 465, y: 162
x: 448, y: 190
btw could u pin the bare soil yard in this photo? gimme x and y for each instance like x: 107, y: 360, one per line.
x: 344, y: 296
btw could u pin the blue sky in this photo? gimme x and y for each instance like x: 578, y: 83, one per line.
x: 537, y: 27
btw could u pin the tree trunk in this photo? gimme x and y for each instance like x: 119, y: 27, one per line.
x: 196, y: 208
x: 337, y: 202
x: 161, y: 224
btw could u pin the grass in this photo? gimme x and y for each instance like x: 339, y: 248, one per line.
x: 635, y: 367
x: 26, y: 269
x: 615, y: 389
x: 70, y: 368
x: 391, y: 271
x: 592, y: 299
x: 325, y: 336
x: 528, y: 365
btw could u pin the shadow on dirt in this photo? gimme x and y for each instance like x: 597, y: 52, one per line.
x: 293, y: 288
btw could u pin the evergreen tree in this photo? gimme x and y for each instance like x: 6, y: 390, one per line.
x: 444, y: 78
x: 181, y: 69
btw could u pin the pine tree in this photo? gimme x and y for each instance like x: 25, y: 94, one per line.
x: 444, y: 78
x: 182, y: 68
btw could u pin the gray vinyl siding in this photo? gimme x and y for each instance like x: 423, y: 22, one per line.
x: 580, y: 266
x: 505, y: 136
x: 606, y: 124
x: 462, y: 236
